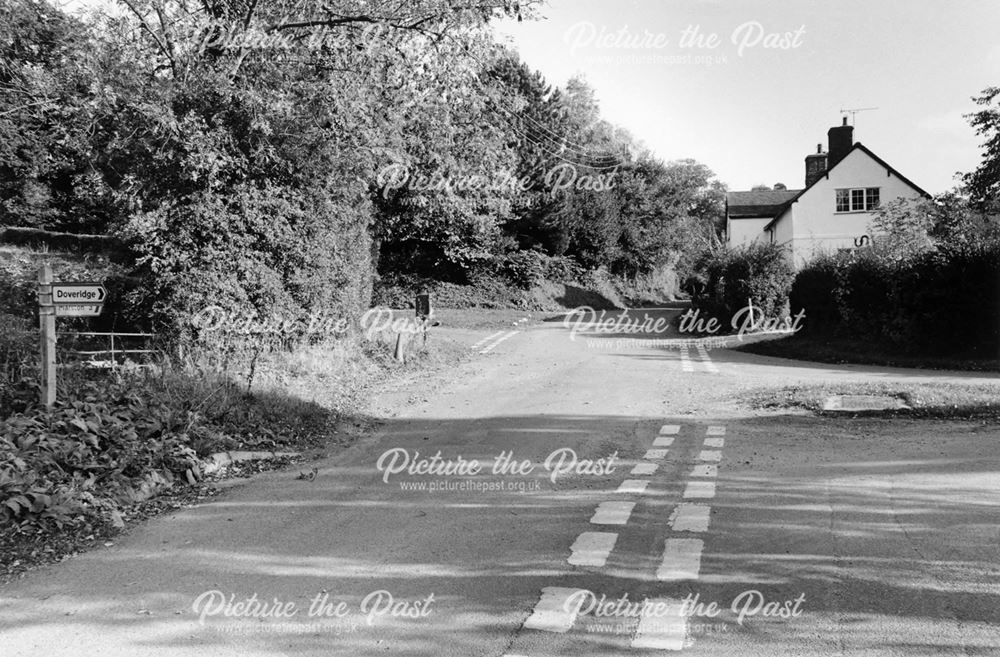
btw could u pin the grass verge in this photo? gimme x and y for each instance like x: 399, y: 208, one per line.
x: 926, y: 400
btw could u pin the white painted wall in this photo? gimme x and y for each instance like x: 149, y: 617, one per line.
x: 740, y: 232
x: 813, y: 226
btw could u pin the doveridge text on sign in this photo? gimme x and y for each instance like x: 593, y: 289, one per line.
x: 79, y: 293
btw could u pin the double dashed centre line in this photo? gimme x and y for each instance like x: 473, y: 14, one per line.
x: 490, y: 343
x: 682, y: 551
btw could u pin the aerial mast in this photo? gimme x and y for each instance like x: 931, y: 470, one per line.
x: 854, y: 112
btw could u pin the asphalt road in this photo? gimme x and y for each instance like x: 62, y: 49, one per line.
x: 623, y: 505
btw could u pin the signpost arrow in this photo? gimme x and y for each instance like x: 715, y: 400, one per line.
x: 78, y: 293
x: 66, y: 310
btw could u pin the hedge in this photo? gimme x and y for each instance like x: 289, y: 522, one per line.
x: 760, y: 273
x: 942, y: 302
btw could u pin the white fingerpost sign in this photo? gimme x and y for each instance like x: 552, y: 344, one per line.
x: 61, y: 299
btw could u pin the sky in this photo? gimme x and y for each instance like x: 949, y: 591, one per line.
x: 751, y: 109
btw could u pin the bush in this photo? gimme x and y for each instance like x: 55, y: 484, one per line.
x: 524, y: 268
x: 271, y: 252
x: 757, y: 273
x: 119, y: 438
x: 949, y: 302
x: 942, y: 302
x: 51, y: 464
x: 866, y: 295
x: 18, y: 346
x: 814, y: 291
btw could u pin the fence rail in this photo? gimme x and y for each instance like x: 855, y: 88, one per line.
x: 113, y: 352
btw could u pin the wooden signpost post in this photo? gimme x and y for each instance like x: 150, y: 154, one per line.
x: 61, y: 299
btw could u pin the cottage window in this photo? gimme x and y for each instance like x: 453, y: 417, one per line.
x: 857, y: 200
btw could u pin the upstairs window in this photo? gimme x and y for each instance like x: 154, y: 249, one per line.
x: 860, y: 199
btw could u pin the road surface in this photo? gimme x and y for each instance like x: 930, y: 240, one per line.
x: 559, y: 496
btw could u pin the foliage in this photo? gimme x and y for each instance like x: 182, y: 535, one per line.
x: 813, y: 291
x: 47, y: 104
x: 760, y: 274
x: 299, y: 147
x: 984, y: 182
x: 95, y: 449
x: 931, y: 287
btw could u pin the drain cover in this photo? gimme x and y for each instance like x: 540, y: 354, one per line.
x: 855, y: 403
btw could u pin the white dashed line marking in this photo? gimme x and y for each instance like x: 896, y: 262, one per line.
x: 656, y: 454
x: 709, y: 455
x: 497, y: 343
x: 612, y: 513
x: 715, y: 442
x: 700, y: 490
x: 681, y: 559
x: 485, y: 340
x: 706, y: 360
x: 670, y: 429
x: 686, y: 364
x: 663, y: 441
x: 644, y: 469
x: 716, y: 430
x: 633, y: 486
x: 550, y: 614
x: 705, y: 471
x: 592, y: 548
x: 689, y: 517
x: 665, y: 628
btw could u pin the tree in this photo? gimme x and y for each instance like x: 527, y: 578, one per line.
x: 984, y: 182
x: 269, y: 122
x: 47, y: 177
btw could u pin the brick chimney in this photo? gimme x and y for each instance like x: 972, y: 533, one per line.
x: 815, y: 165
x: 841, y: 141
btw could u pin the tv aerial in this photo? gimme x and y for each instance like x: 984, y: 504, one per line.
x: 854, y: 112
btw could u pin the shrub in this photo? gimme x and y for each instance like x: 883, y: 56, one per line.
x: 271, y: 252
x: 523, y: 268
x: 944, y: 301
x: 50, y: 463
x: 18, y: 346
x: 949, y: 302
x: 866, y: 295
x: 814, y: 291
x: 757, y: 273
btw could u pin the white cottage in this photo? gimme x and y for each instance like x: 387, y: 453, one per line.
x: 842, y: 188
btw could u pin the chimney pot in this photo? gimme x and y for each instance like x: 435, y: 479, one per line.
x: 845, y: 121
x: 819, y: 148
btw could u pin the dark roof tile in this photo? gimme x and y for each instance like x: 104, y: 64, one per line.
x: 764, y: 203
